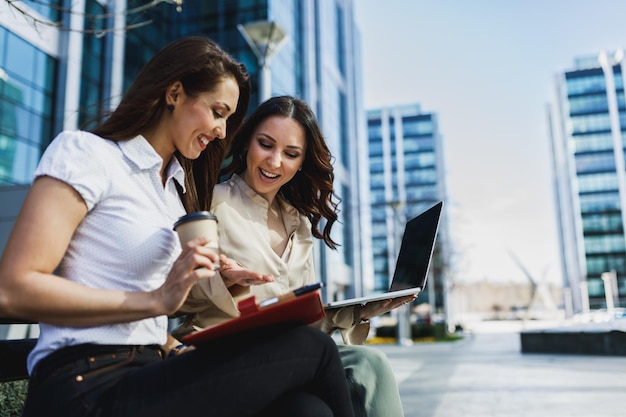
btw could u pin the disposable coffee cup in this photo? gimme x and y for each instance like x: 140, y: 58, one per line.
x: 198, y: 224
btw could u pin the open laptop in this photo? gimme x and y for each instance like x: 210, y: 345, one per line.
x: 413, y: 260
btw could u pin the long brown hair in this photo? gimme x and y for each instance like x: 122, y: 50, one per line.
x: 311, y: 189
x: 199, y: 64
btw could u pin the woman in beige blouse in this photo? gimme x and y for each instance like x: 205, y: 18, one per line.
x: 279, y: 197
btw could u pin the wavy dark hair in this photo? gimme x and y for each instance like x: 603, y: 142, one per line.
x: 311, y: 190
x: 200, y: 65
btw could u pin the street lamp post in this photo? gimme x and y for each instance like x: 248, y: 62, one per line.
x: 610, y: 283
x: 403, y: 313
x: 265, y: 38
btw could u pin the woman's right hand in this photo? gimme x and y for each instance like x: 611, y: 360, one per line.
x: 195, y: 262
x: 235, y: 274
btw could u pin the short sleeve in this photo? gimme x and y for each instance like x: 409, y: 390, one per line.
x: 78, y: 159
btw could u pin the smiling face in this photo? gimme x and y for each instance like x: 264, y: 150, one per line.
x: 275, y: 153
x: 196, y: 121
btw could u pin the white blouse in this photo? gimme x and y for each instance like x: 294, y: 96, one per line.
x: 244, y: 237
x: 126, y: 240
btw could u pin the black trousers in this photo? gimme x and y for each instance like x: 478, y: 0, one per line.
x: 254, y: 374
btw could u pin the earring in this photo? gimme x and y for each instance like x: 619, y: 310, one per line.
x: 170, y: 107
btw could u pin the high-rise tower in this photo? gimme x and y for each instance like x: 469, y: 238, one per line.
x: 406, y: 177
x: 588, y: 129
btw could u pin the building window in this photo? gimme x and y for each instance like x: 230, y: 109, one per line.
x: 344, y: 136
x: 605, y: 181
x: 590, y: 123
x: 595, y: 287
x: 419, y: 160
x: 599, y: 202
x: 347, y: 231
x: 586, y: 84
x: 341, y: 54
x: 604, y: 244
x: 27, y: 80
x: 93, y: 76
x: 374, y: 130
x: 596, y: 265
x: 49, y: 9
x: 588, y: 104
x: 417, y: 126
x: 417, y: 144
x: 593, y: 142
x: 595, y: 162
x: 619, y: 81
x: 603, y: 223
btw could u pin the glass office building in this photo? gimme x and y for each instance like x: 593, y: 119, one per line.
x: 54, y: 78
x: 406, y: 177
x: 588, y: 130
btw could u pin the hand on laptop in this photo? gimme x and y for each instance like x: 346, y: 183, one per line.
x: 376, y: 308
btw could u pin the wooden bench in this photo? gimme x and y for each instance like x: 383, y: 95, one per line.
x: 13, y: 354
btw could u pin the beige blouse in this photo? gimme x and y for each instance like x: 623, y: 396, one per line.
x: 244, y: 237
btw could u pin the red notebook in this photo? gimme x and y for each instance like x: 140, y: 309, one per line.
x: 304, y: 309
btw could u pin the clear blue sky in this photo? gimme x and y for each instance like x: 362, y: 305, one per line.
x: 486, y: 67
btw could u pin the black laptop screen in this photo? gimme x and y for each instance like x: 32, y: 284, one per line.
x: 416, y: 250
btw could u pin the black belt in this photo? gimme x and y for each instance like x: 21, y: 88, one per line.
x: 90, y: 353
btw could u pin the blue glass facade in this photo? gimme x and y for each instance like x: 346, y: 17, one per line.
x: 588, y: 128
x: 27, y: 105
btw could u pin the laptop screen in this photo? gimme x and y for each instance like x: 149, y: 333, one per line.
x: 416, y: 250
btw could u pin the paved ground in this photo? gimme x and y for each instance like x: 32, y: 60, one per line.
x: 485, y: 374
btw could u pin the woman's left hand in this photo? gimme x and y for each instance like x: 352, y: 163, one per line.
x: 376, y: 308
x: 174, y: 347
x: 233, y: 273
